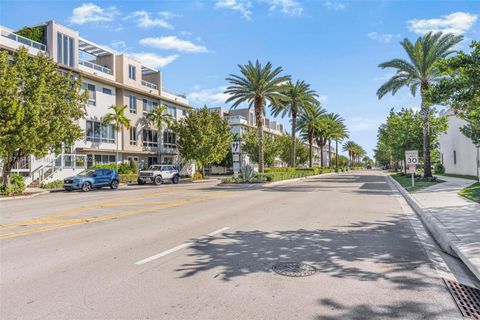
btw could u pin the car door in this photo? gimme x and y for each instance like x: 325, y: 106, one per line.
x: 101, y: 177
x: 166, y: 173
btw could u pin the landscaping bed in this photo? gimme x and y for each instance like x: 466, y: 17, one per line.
x: 279, y: 174
x: 472, y: 192
x: 420, y: 182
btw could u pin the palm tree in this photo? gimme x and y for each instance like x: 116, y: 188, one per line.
x: 119, y: 120
x: 299, y: 98
x: 419, y: 72
x: 350, y: 148
x: 334, y: 123
x: 158, y: 117
x: 308, y: 125
x: 339, y: 133
x: 258, y: 86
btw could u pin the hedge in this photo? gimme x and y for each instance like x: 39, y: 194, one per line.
x: 128, y: 178
x: 277, y: 176
x: 313, y: 170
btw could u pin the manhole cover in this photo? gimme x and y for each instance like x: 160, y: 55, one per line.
x: 294, y: 269
x: 466, y: 298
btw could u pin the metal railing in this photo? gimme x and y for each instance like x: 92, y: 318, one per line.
x: 182, y: 95
x: 149, y: 85
x: 23, y: 40
x: 64, y: 161
x: 95, y: 66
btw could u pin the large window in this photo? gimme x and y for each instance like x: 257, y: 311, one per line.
x: 132, y: 70
x: 149, y: 105
x: 96, y: 131
x: 133, y: 136
x: 169, y: 139
x: 172, y: 111
x: 133, y: 104
x: 150, y: 138
x: 92, y: 97
x: 107, y: 91
x: 65, y: 49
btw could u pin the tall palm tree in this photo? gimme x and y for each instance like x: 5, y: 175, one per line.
x: 119, y: 120
x: 308, y: 123
x: 299, y: 98
x: 259, y: 86
x: 158, y: 117
x: 339, y: 133
x: 334, y: 122
x: 419, y: 72
x: 350, y: 148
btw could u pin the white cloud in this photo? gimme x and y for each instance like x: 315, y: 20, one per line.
x: 89, y: 12
x: 242, y: 6
x: 383, y: 37
x: 153, y: 60
x: 168, y: 15
x: 456, y: 23
x: 212, y: 97
x: 333, y: 5
x: 143, y: 20
x: 288, y: 7
x: 173, y: 43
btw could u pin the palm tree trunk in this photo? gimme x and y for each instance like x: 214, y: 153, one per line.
x: 116, y: 156
x: 321, y: 155
x: 336, y: 154
x: 427, y: 170
x: 158, y: 147
x: 258, y: 117
x: 294, y: 128
x: 310, y: 143
x: 329, y: 153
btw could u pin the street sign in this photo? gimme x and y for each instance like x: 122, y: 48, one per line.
x: 236, y: 158
x: 236, y: 166
x: 235, y: 147
x: 412, y: 168
x: 411, y: 157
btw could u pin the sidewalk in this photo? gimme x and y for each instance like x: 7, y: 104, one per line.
x: 453, y: 220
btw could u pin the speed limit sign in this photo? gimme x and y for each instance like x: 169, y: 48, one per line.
x: 411, y: 156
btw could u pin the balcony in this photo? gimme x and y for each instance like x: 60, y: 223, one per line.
x: 149, y: 85
x: 23, y: 40
x: 96, y: 67
x: 181, y: 95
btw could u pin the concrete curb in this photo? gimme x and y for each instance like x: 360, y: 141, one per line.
x: 442, y: 236
x: 24, y: 197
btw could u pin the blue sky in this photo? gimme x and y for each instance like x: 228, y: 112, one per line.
x: 333, y: 45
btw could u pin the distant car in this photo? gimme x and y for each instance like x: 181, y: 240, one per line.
x: 158, y: 174
x: 89, y: 179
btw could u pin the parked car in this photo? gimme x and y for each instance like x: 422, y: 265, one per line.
x: 159, y: 173
x: 89, y: 179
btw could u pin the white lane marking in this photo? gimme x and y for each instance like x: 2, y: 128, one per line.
x: 179, y: 247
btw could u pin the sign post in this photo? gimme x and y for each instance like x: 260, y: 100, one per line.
x: 236, y: 158
x: 411, y: 161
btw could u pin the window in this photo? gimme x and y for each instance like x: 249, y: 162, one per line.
x: 131, y: 72
x: 149, y: 105
x: 65, y: 50
x: 150, y: 138
x: 133, y: 136
x: 169, y: 139
x: 454, y: 157
x: 133, y: 104
x: 104, y: 158
x: 184, y: 112
x: 151, y: 160
x: 96, y: 131
x: 107, y: 91
x: 92, y: 98
x: 172, y: 111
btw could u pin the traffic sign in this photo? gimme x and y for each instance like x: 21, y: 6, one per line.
x: 236, y: 147
x: 411, y: 157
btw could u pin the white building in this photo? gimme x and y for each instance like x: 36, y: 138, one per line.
x: 458, y: 154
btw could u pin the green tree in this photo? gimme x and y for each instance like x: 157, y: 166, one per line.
x: 308, y: 124
x: 335, y: 130
x: 250, y: 147
x: 339, y: 133
x: 420, y: 72
x: 299, y: 97
x: 158, y: 118
x: 285, y: 150
x: 39, y: 107
x: 119, y: 121
x: 259, y: 86
x: 203, y: 136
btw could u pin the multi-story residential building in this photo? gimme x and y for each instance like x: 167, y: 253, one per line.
x: 458, y: 154
x: 111, y: 79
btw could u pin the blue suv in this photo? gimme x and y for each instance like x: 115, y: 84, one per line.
x: 89, y: 179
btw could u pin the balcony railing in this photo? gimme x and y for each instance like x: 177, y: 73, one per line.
x: 149, y: 85
x: 94, y: 66
x: 23, y: 40
x: 182, y: 95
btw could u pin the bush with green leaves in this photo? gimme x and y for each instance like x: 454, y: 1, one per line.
x: 197, y: 176
x: 438, y: 168
x: 124, y: 168
x: 128, y: 178
x: 17, y: 185
x: 56, y: 184
x: 134, y: 166
x: 110, y: 166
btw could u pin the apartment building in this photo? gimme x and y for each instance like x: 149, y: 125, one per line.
x: 458, y: 154
x: 111, y: 79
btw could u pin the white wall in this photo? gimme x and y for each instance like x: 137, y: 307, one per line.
x: 465, y: 150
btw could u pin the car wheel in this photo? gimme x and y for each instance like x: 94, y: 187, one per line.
x: 86, y: 186
x: 175, y: 179
x: 140, y: 182
x: 114, y: 184
x: 158, y: 180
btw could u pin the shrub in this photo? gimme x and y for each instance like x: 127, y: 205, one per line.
x: 134, y: 166
x: 128, y: 178
x: 110, y: 166
x: 124, y: 168
x: 17, y: 185
x: 197, y: 176
x: 438, y: 168
x: 56, y: 184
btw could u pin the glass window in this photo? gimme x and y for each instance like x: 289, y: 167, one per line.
x: 59, y: 47
x: 92, y: 97
x: 149, y: 138
x: 97, y: 132
x: 132, y: 72
x: 133, y: 136
x: 169, y: 139
x: 133, y: 104
x: 172, y: 111
x: 107, y: 91
x: 65, y: 50
x: 70, y: 51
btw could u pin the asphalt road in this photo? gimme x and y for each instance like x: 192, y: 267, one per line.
x: 196, y: 251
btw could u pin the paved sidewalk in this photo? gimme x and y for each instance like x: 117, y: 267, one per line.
x: 453, y: 220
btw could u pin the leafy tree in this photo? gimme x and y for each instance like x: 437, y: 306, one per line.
x: 420, y: 72
x: 335, y: 129
x: 203, y: 136
x: 308, y: 125
x: 250, y: 147
x: 299, y: 97
x: 285, y: 150
x: 259, y: 86
x: 158, y: 118
x: 39, y: 107
x: 119, y: 120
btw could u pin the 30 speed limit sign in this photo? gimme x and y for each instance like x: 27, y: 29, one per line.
x: 411, y: 156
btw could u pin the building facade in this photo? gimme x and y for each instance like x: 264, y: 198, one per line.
x: 110, y: 79
x: 458, y: 154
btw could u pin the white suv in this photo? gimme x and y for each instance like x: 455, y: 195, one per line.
x: 158, y: 173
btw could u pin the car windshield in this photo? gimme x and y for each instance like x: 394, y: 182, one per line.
x: 87, y: 173
x: 154, y: 167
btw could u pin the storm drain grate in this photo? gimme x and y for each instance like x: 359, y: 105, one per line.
x: 466, y: 298
x: 294, y: 269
